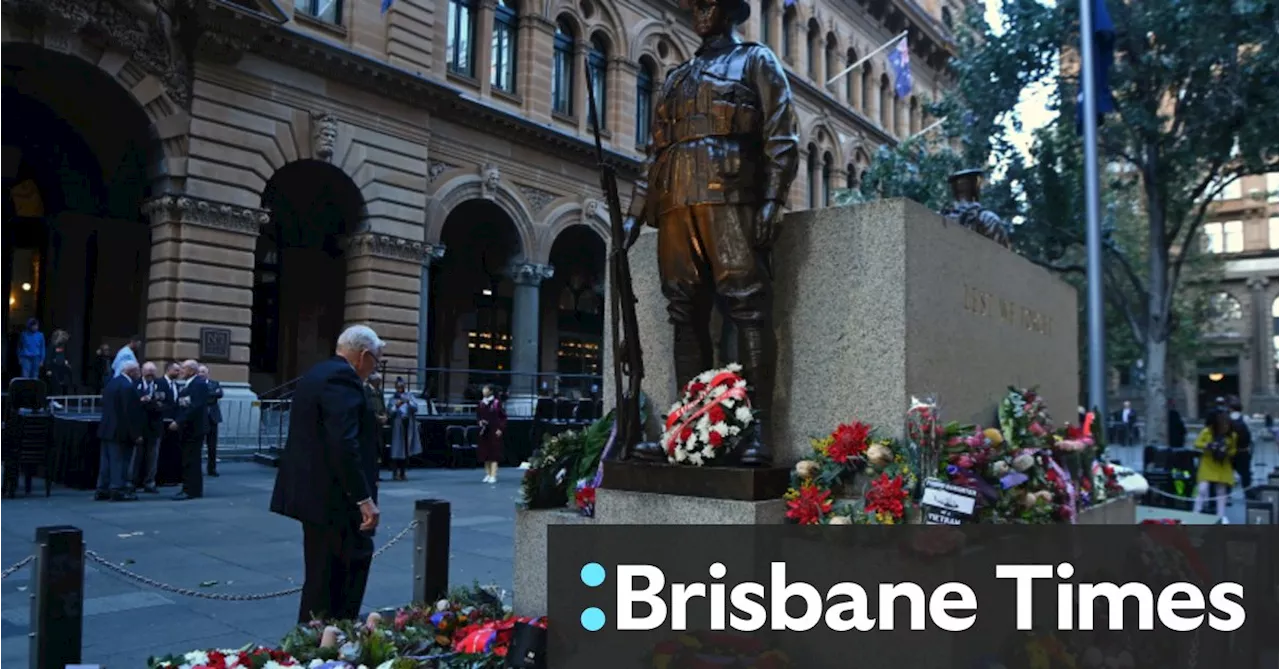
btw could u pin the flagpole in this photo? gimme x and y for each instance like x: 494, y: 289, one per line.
x: 867, y: 57
x: 1093, y: 222
x: 929, y: 129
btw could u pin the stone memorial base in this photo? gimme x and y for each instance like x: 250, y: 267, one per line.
x: 878, y: 302
x: 1120, y: 511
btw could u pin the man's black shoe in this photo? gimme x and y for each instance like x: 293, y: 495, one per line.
x: 151, y: 489
x: 124, y: 497
x: 182, y: 497
x: 101, y: 496
x: 213, y: 474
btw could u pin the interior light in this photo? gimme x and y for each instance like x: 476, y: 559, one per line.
x: 1217, y: 376
x: 12, y: 300
x: 486, y: 291
x: 26, y: 287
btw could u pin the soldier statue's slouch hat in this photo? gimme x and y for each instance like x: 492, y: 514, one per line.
x: 739, y: 10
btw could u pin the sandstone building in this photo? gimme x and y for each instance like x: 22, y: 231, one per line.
x: 238, y: 179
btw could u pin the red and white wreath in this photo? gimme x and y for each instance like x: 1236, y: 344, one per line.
x: 714, y: 410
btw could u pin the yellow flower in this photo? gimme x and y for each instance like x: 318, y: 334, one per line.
x: 993, y: 435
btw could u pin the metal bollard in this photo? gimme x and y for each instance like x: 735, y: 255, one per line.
x: 57, y: 597
x: 431, y: 550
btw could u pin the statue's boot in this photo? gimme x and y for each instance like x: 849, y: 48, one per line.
x: 756, y: 351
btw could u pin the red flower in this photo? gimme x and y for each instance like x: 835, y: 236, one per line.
x: 686, y: 433
x: 886, y: 496
x: 584, y: 497
x: 715, y: 414
x: 716, y: 439
x: 850, y: 442
x: 695, y: 387
x: 810, y: 504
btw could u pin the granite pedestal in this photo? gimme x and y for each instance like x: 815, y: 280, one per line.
x: 877, y: 302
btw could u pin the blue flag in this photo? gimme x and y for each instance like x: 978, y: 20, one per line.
x: 900, y: 63
x: 1104, y: 56
x: 788, y: 3
x: 386, y: 4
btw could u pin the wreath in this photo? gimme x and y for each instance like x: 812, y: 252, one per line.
x: 709, y: 417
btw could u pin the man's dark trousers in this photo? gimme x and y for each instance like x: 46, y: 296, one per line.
x: 337, y: 561
x: 192, y: 477
x: 211, y: 440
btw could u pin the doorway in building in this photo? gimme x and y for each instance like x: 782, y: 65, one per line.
x: 300, y: 273
x: 1219, y: 377
x: 76, y: 247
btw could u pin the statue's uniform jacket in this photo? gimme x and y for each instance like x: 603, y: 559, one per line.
x: 724, y: 143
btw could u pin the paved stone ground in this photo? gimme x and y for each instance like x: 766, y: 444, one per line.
x: 229, y: 537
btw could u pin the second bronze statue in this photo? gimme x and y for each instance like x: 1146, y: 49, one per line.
x: 724, y: 153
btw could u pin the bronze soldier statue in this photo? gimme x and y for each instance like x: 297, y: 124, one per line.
x: 721, y: 162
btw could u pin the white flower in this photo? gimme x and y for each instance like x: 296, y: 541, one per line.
x: 708, y: 452
x: 728, y: 404
x: 695, y: 459
x: 681, y: 455
x: 740, y: 384
x: 197, y: 658
x: 742, y: 415
x: 675, y: 407
x: 706, y: 377
x: 272, y: 664
x: 718, y: 391
x: 704, y: 422
x: 316, y: 663
x: 734, y: 430
x: 721, y: 428
x: 733, y: 367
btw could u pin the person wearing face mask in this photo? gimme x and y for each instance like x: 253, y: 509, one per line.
x: 328, y: 476
x: 1243, y: 460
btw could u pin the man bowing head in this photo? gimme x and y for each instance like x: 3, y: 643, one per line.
x: 328, y: 476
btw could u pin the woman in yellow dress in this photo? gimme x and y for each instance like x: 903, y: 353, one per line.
x: 1217, y: 441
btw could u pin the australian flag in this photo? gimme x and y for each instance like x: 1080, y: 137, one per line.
x: 386, y: 4
x: 900, y: 63
x: 1104, y: 56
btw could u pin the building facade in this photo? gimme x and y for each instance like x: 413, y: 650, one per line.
x: 239, y: 179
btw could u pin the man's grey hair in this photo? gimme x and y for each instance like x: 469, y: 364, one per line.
x: 128, y: 366
x: 359, y: 338
x: 202, y: 369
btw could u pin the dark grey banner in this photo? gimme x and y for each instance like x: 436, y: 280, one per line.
x: 972, y: 597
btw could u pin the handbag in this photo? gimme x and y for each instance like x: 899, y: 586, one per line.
x: 1218, y: 449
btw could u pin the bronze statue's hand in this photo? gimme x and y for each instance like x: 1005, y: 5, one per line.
x: 631, y: 231
x: 766, y: 225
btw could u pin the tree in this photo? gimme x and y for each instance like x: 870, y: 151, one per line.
x: 1195, y: 84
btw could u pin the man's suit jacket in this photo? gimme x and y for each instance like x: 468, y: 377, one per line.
x: 193, y: 414
x: 330, y: 459
x: 215, y: 394
x: 123, y: 420
x: 162, y: 398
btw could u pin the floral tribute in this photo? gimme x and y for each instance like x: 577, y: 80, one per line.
x: 470, y: 629
x: 709, y: 418
x: 835, y: 465
x: 717, y: 649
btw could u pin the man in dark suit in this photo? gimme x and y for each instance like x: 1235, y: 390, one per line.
x: 192, y: 424
x: 215, y: 417
x: 156, y: 395
x: 122, y: 428
x: 328, y: 476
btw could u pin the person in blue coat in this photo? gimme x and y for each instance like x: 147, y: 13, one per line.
x: 31, y: 349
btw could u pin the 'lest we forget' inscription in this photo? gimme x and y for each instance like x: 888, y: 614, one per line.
x: 989, y: 305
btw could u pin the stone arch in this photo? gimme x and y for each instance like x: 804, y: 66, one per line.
x: 606, y: 19
x: 168, y: 119
x: 646, y: 39
x: 820, y: 134
x: 460, y: 186
x: 566, y: 215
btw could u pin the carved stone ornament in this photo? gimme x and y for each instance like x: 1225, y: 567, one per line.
x: 537, y: 198
x: 392, y: 248
x: 188, y: 210
x: 154, y: 33
x: 490, y: 180
x: 530, y: 274
x: 437, y: 167
x: 590, y: 210
x: 324, y: 135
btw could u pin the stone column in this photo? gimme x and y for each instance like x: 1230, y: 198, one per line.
x: 528, y: 278
x: 431, y: 254
x: 775, y: 31
x: 484, y: 44
x: 1262, y: 354
x: 580, y: 99
x: 384, y: 284
x: 202, y: 263
x: 534, y: 71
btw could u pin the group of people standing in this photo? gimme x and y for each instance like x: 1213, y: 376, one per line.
x: 138, y: 406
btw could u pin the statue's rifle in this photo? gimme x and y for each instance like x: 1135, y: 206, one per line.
x: 628, y: 365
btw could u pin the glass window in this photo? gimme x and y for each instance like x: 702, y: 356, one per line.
x: 1231, y: 191
x: 766, y: 21
x: 562, y: 70
x: 1224, y: 310
x: 1226, y: 237
x: 812, y: 164
x: 502, y: 71
x: 461, y: 44
x: 851, y: 178
x: 1273, y: 187
x: 329, y: 11
x: 788, y: 32
x: 826, y: 180
x: 644, y: 102
x: 946, y: 18
x: 1273, y: 235
x: 598, y: 61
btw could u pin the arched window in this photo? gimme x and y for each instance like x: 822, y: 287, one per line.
x: 598, y: 61
x: 329, y: 11
x: 886, y: 103
x: 851, y: 176
x: 851, y: 84
x: 788, y: 34
x: 832, y: 61
x: 562, y: 69
x: 867, y: 91
x: 461, y: 45
x: 812, y: 160
x: 1224, y: 310
x: 814, y: 42
x: 946, y: 18
x: 766, y: 23
x: 913, y: 116
x: 827, y: 161
x: 506, y: 29
x: 644, y: 101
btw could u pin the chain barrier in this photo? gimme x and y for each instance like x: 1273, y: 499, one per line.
x: 18, y: 565
x: 216, y: 596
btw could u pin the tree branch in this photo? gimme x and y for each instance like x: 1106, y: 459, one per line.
x: 1121, y: 304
